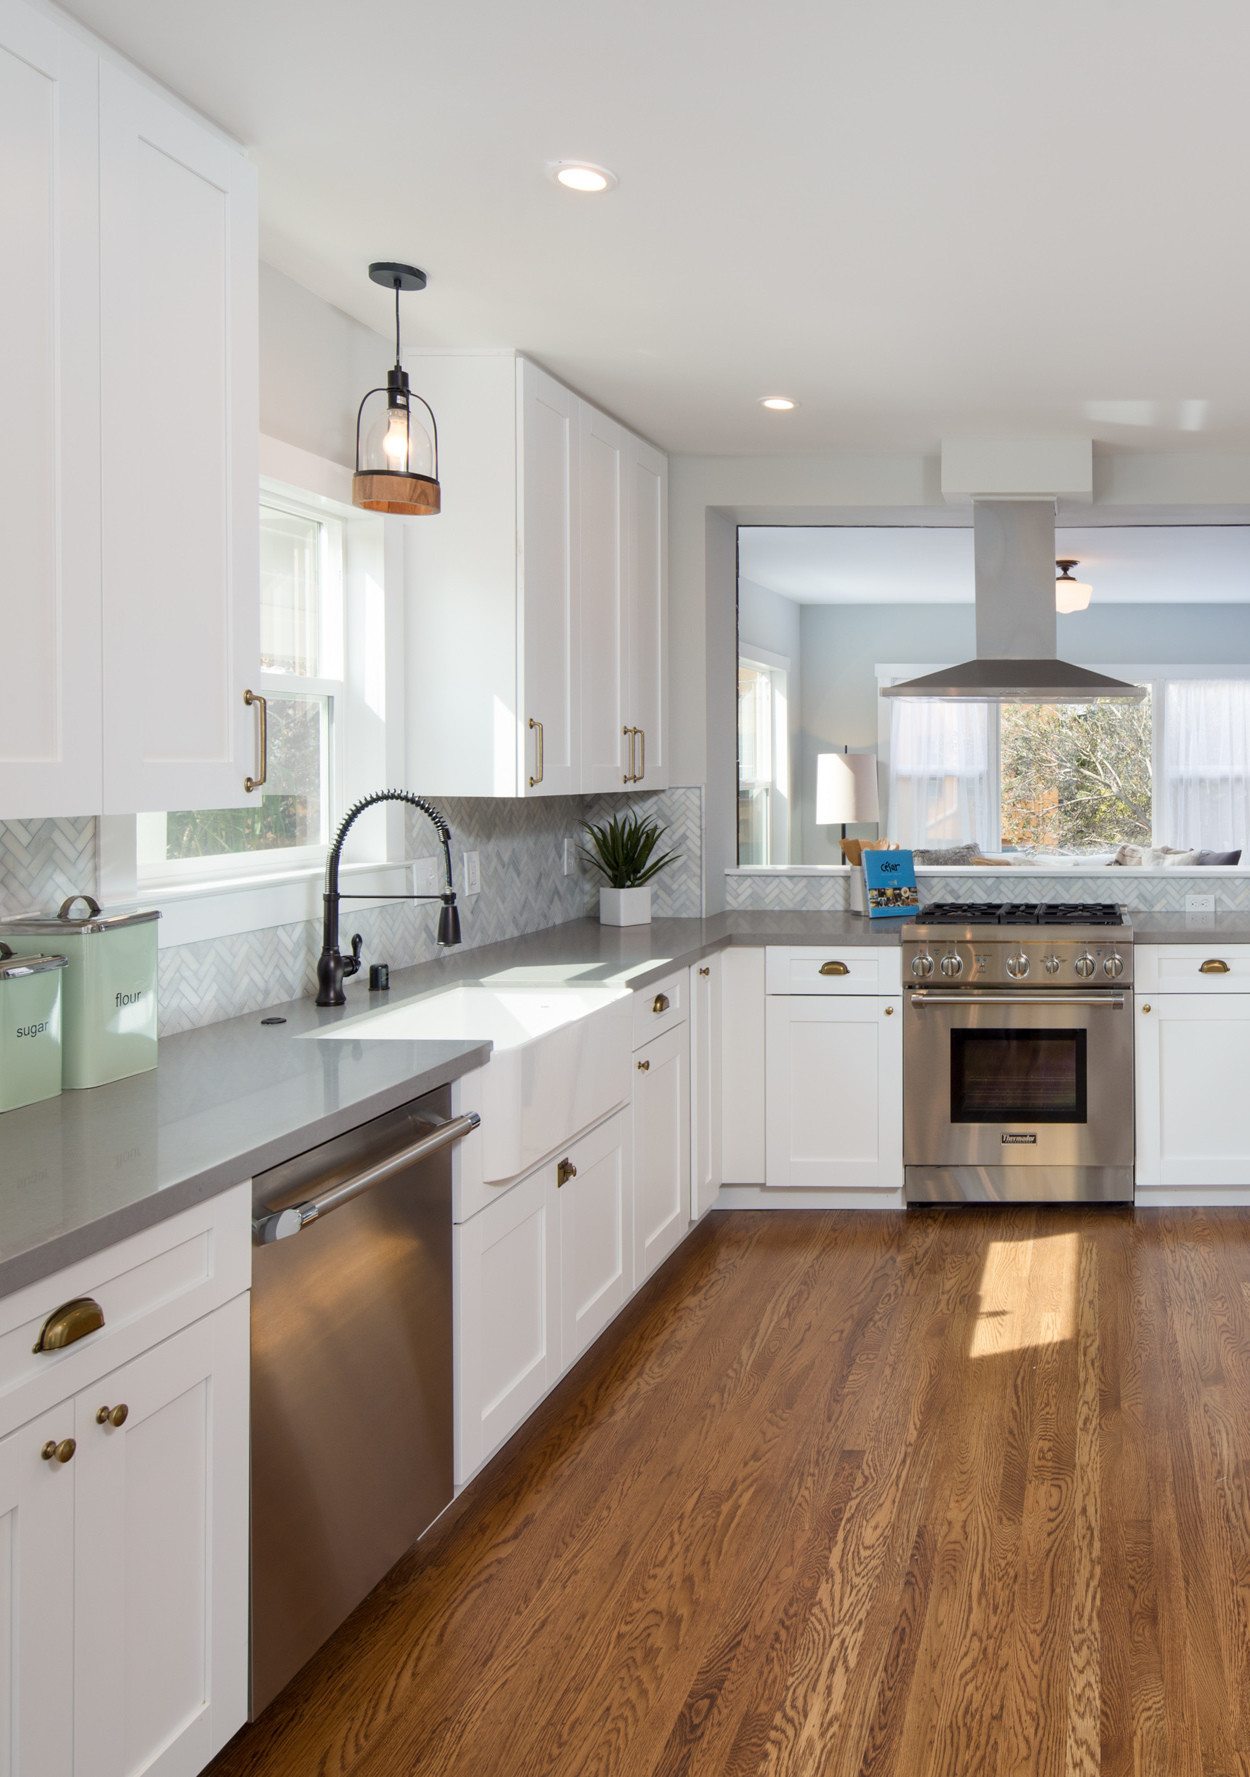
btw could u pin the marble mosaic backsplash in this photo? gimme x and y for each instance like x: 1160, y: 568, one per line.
x: 1147, y: 894
x: 520, y: 846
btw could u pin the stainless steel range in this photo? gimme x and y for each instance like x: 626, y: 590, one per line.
x: 1018, y: 1053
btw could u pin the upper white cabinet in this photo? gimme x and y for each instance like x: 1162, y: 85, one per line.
x: 180, y: 431
x: 49, y: 419
x: 128, y: 437
x: 536, y: 622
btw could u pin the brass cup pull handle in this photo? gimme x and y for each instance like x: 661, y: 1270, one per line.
x: 564, y: 1172
x: 115, y: 1416
x: 62, y: 1452
x: 262, y: 740
x: 1214, y: 965
x: 644, y: 1067
x: 536, y: 728
x: 69, y: 1323
x: 660, y: 1003
x: 834, y: 969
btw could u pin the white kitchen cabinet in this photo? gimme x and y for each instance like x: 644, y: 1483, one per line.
x: 835, y: 1092
x: 179, y: 429
x: 507, y: 1268
x: 705, y: 1084
x: 49, y: 419
x: 36, y: 1599
x: 661, y: 1124
x: 536, y: 617
x: 595, y: 1186
x: 1192, y: 1063
x: 742, y: 1067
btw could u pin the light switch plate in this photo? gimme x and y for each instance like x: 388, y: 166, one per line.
x: 1200, y: 903
x: 426, y: 879
x: 471, y: 876
x: 570, y: 857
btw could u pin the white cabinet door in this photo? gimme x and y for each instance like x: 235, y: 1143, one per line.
x: 179, y: 430
x: 646, y: 554
x: 604, y: 659
x: 1193, y: 1060
x: 37, y: 1599
x: 161, y: 1545
x: 507, y: 1316
x: 596, y: 1233
x: 49, y: 420
x: 705, y: 1084
x: 742, y: 1067
x: 835, y: 1093
x: 547, y: 580
x: 661, y: 1119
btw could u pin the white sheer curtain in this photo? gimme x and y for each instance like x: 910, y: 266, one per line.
x: 1205, y: 794
x: 941, y: 789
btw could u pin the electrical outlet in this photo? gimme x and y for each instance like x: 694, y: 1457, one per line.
x: 426, y: 877
x: 570, y: 857
x: 471, y: 877
x: 1200, y: 903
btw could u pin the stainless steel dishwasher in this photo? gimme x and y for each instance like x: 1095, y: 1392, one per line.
x: 352, y: 1411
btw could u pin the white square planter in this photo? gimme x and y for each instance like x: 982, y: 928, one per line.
x: 625, y: 907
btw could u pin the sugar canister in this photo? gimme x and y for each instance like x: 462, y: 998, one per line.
x: 30, y: 1028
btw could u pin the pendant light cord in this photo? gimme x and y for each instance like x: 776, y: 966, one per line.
x: 397, y: 323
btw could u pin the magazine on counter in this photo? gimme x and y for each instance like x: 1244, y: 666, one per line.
x: 890, y: 883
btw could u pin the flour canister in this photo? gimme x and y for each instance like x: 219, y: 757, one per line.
x: 30, y: 1028
x: 109, y: 994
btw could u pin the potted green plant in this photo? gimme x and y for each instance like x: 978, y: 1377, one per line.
x: 623, y: 851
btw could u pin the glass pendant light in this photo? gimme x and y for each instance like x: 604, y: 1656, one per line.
x: 1070, y: 595
x: 396, y: 451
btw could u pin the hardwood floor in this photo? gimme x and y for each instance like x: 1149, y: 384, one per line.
x: 962, y: 1493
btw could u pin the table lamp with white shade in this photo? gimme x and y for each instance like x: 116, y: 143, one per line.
x: 846, y: 789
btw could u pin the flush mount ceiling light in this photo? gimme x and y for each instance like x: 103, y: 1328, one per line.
x: 1070, y: 595
x: 582, y: 175
x: 396, y: 454
x: 778, y: 403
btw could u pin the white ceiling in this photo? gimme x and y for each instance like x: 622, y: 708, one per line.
x: 844, y: 565
x: 919, y: 220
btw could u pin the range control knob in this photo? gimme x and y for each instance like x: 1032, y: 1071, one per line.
x: 1052, y: 964
x: 1113, y: 966
x: 1085, y: 965
x: 951, y: 965
x: 1018, y: 966
x: 922, y: 965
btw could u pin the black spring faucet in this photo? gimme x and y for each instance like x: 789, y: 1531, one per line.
x: 332, y: 967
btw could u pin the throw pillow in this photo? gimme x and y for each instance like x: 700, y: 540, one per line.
x: 1218, y: 857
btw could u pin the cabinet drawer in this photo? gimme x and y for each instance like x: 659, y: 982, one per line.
x: 1179, y: 968
x: 148, y: 1287
x: 660, y: 1007
x: 830, y: 970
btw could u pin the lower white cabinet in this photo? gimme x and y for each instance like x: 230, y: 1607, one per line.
x: 705, y: 1085
x: 123, y: 1569
x: 742, y: 1067
x: 661, y: 1119
x: 835, y: 1092
x: 1192, y: 1061
x: 594, y: 1183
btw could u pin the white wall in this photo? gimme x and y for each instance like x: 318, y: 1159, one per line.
x: 315, y: 365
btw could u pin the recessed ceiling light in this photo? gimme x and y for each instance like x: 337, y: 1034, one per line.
x: 582, y: 175
x: 778, y: 403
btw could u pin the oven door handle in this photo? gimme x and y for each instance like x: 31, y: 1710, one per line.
x: 970, y: 997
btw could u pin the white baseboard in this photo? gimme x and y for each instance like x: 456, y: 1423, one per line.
x: 1192, y: 1196
x: 762, y: 1197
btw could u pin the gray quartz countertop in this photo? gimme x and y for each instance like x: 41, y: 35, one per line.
x: 1190, y: 928
x: 86, y: 1169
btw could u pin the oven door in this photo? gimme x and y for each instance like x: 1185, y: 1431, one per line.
x: 999, y: 1078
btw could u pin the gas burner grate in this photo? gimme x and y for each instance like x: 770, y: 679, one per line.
x: 1020, y: 913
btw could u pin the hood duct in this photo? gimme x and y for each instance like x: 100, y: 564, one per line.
x: 1014, y: 553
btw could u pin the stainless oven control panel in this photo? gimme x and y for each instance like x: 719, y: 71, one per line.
x: 952, y: 958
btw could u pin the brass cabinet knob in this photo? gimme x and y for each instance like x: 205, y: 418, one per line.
x: 62, y: 1452
x: 889, y: 1011
x: 113, y: 1415
x: 1214, y: 965
x: 705, y: 971
x: 834, y: 969
x: 565, y: 1170
x: 1145, y: 1008
x: 70, y: 1322
x: 660, y: 1003
x: 644, y: 1067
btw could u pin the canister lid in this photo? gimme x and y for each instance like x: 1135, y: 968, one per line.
x: 42, y: 925
x: 11, y: 966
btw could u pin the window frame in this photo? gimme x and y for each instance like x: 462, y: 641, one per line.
x: 779, y: 796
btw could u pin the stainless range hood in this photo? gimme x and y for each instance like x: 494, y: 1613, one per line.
x: 1014, y: 553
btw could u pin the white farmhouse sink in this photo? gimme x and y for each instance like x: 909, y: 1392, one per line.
x: 560, y: 1059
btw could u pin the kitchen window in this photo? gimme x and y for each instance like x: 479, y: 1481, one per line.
x: 763, y: 759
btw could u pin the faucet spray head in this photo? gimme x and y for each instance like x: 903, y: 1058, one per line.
x: 449, y: 921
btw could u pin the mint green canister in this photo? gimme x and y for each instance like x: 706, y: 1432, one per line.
x: 109, y: 997
x: 30, y: 1028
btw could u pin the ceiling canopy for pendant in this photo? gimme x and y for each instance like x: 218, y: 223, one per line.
x: 396, y: 452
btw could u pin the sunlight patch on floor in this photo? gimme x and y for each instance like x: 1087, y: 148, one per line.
x: 1028, y: 1294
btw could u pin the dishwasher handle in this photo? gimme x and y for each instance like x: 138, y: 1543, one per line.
x: 282, y: 1222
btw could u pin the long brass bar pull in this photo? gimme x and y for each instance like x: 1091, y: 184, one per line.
x: 280, y: 1223
x: 538, y: 752
x: 629, y: 734
x: 642, y: 754
x: 250, y: 698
